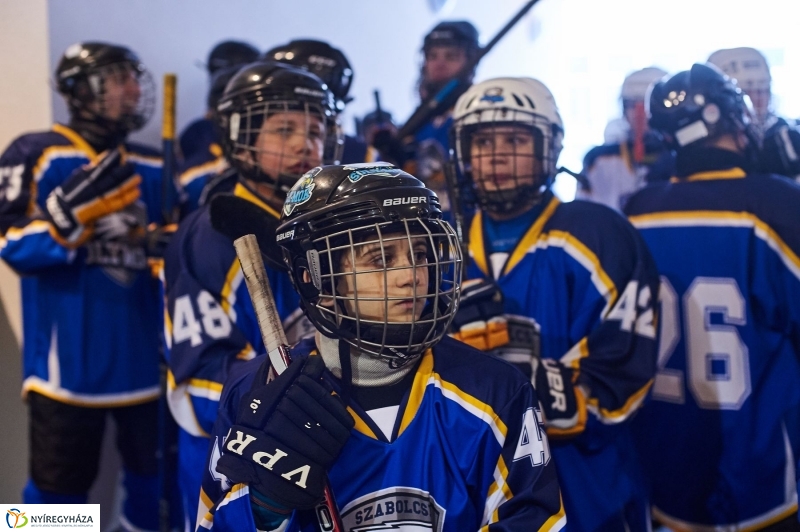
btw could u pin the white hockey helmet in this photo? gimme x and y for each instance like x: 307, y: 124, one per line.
x: 747, y: 66
x: 510, y: 101
x: 635, y: 85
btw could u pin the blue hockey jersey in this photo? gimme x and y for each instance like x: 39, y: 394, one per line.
x: 716, y: 439
x: 469, y: 454
x: 585, y: 276
x: 90, y: 315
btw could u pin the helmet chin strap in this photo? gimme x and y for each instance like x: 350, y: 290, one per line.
x: 356, y: 368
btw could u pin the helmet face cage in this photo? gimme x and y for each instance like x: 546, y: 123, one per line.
x: 297, y: 136
x: 120, y: 93
x: 389, y: 289
x: 512, y: 172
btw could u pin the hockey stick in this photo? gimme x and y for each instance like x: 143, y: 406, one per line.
x: 255, y: 277
x: 168, y: 191
x: 447, y: 96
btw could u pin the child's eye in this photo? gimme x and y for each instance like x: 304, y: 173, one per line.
x: 420, y: 257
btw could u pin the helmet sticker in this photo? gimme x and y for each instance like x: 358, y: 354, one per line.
x: 359, y: 170
x: 493, y: 95
x: 301, y: 191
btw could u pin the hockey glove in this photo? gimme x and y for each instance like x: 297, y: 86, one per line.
x: 561, y: 401
x: 479, y: 321
x: 391, y: 148
x: 90, y: 193
x: 287, y: 434
x: 780, y: 153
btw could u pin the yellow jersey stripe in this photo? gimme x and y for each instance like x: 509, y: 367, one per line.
x: 242, y: 192
x: 228, y: 294
x: 361, y: 425
x: 531, y: 236
x: 76, y: 140
x: 215, y: 166
x: 557, y: 521
x: 586, y: 258
x: 732, y: 173
x: 722, y: 219
x: 622, y: 413
x: 418, y: 388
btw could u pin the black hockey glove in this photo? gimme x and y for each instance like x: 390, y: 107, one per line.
x: 391, y: 148
x: 480, y: 321
x: 780, y: 153
x: 90, y: 193
x: 561, y: 402
x: 287, y: 434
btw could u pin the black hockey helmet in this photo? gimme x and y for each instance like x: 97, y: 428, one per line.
x: 697, y: 104
x: 461, y: 33
x: 219, y: 80
x: 319, y: 57
x: 335, y: 214
x: 260, y: 90
x: 81, y: 77
x: 228, y: 54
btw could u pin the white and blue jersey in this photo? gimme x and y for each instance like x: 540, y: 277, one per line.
x: 90, y: 315
x: 720, y: 438
x: 584, y: 275
x: 468, y: 453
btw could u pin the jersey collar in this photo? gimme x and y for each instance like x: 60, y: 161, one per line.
x: 243, y: 192
x: 78, y: 141
x: 477, y: 242
x: 730, y: 173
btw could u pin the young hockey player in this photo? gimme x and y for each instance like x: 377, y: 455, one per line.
x: 630, y: 157
x: 423, y: 432
x: 279, y: 122
x: 720, y: 437
x: 75, y: 205
x: 780, y: 139
x: 201, y: 148
x: 446, y: 51
x: 566, y: 291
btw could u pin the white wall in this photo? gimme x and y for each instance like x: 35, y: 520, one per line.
x: 24, y: 101
x: 24, y: 106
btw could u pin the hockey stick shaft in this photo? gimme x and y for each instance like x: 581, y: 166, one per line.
x: 269, y: 323
x: 168, y: 191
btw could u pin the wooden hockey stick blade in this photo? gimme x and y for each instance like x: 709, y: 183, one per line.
x: 236, y: 217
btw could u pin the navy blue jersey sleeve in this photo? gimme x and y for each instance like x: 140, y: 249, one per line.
x: 613, y: 305
x: 29, y: 170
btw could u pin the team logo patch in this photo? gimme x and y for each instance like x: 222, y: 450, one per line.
x: 397, y: 509
x: 493, y: 95
x: 359, y: 170
x: 301, y: 191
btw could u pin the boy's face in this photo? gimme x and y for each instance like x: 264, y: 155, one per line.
x: 290, y: 142
x: 121, y: 93
x: 503, y: 158
x: 443, y: 63
x: 387, y: 282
